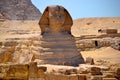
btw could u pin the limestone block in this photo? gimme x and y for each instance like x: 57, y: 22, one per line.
x: 18, y: 72
x: 33, y: 71
x: 83, y: 71
x: 89, y: 60
x: 73, y: 77
x: 116, y: 45
x: 111, y: 31
x: 50, y: 76
x: 104, y: 42
x: 41, y: 71
x: 43, y: 68
x: 11, y: 49
x: 117, y: 73
x: 108, y: 75
x: 15, y: 71
x: 40, y: 74
x: 95, y: 71
x: 3, y: 71
x: 85, y: 68
x: 10, y: 44
x: 5, y: 56
x: 110, y: 79
x: 83, y: 44
x: 67, y: 72
x: 96, y: 78
x: 73, y: 71
x: 64, y: 71
x: 82, y: 77
x: 22, y: 56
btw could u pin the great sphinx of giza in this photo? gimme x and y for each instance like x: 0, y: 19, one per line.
x: 57, y: 43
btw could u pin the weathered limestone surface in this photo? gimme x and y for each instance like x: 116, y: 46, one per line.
x: 65, y: 77
x: 57, y: 49
x: 19, y: 10
x: 117, y: 73
x: 116, y: 45
x: 6, y: 53
x: 90, y: 43
x: 14, y: 71
x: 90, y: 60
x: 32, y: 71
x: 58, y: 45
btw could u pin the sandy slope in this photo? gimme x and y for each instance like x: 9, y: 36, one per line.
x: 90, y: 26
x: 105, y: 55
x: 18, y: 29
x: 85, y: 26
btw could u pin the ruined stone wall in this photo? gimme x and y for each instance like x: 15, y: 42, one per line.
x: 19, y: 10
x: 33, y: 72
x: 87, y: 44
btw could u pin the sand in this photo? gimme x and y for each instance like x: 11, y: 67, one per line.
x: 90, y: 26
x: 18, y: 29
x: 104, y: 55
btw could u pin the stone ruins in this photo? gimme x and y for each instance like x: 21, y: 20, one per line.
x: 27, y: 55
x: 57, y: 42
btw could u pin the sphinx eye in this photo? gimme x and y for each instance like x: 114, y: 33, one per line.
x: 58, y: 16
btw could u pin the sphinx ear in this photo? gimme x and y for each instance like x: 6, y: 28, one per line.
x: 44, y: 21
x: 68, y: 22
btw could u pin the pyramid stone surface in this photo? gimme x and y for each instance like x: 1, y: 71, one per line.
x: 57, y: 43
x: 19, y: 10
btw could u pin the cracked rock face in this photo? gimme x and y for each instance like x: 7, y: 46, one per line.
x: 19, y: 10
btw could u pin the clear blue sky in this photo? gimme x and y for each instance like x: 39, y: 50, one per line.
x: 84, y: 8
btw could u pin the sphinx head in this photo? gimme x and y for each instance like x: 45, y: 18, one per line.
x: 55, y: 19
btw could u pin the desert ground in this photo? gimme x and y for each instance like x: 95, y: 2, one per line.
x: 90, y: 26
x: 103, y: 56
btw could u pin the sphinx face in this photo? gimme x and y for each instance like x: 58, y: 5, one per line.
x: 56, y: 18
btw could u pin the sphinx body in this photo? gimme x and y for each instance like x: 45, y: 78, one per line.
x: 57, y: 43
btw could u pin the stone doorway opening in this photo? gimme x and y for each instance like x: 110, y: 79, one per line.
x: 96, y: 44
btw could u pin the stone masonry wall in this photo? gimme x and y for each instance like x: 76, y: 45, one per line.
x: 32, y: 71
x: 87, y: 44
